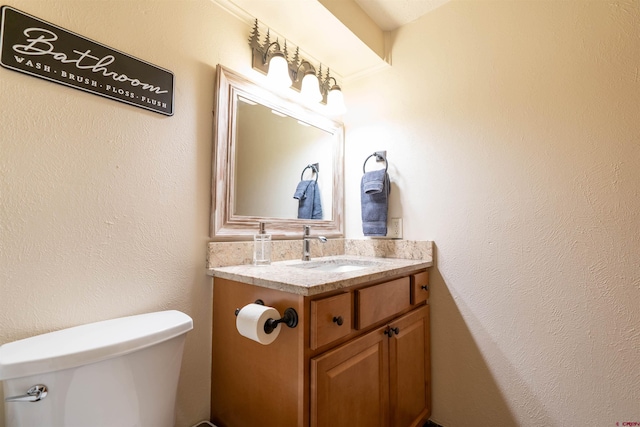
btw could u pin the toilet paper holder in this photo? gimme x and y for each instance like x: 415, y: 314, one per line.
x: 290, y: 318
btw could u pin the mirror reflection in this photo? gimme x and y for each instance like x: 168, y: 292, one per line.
x: 275, y: 154
x: 274, y: 161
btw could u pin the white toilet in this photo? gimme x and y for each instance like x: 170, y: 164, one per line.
x: 116, y: 373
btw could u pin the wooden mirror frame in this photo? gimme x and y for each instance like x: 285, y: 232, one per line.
x: 225, y: 225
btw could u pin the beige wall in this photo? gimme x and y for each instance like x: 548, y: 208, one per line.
x: 513, y: 132
x: 105, y: 207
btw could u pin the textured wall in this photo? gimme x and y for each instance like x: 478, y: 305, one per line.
x: 105, y: 207
x: 513, y: 135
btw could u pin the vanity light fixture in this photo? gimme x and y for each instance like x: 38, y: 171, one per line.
x: 310, y: 86
x: 279, y: 71
x: 335, y: 98
x: 294, y: 72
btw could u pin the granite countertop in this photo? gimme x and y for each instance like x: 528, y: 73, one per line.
x: 320, y: 275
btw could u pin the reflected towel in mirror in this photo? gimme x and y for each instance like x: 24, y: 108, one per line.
x: 309, y: 204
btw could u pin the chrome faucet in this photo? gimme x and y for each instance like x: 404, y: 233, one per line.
x: 306, y: 239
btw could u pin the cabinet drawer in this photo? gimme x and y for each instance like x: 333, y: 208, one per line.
x: 381, y: 301
x: 419, y: 287
x: 330, y: 319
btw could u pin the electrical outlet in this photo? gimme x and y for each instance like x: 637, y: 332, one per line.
x: 394, y: 228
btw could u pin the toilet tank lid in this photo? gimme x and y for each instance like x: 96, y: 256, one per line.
x: 93, y: 342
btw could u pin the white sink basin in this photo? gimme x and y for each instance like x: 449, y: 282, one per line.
x: 339, y: 268
x: 335, y: 266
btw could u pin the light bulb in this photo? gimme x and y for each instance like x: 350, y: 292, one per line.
x: 278, y: 73
x: 310, y: 89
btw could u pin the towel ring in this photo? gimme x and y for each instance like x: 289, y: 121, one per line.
x: 314, y: 168
x: 380, y: 157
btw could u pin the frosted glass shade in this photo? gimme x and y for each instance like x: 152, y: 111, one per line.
x: 310, y: 88
x: 278, y: 74
x: 335, y: 101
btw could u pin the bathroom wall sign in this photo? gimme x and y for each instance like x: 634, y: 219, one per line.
x: 38, y: 48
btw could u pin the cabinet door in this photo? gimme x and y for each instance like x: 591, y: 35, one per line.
x: 350, y: 384
x: 409, y: 369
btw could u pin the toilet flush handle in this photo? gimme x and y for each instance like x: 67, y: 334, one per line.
x: 34, y: 394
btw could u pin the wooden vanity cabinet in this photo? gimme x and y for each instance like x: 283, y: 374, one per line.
x: 410, y: 369
x: 351, y: 361
x: 379, y: 379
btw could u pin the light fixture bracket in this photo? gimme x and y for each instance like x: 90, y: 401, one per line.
x: 298, y: 67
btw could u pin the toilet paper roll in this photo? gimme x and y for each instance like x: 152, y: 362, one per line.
x: 251, y: 320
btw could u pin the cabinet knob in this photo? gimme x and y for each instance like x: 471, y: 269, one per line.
x: 338, y: 320
x: 425, y: 287
x: 390, y: 331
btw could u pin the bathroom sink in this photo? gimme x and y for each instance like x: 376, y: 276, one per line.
x: 335, y: 265
x: 336, y: 268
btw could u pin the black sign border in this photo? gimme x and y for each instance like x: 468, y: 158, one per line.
x: 88, y: 90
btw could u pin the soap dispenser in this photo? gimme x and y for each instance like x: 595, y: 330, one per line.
x: 262, y: 247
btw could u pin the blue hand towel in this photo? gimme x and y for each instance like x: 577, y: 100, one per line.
x: 374, y: 193
x: 309, y: 204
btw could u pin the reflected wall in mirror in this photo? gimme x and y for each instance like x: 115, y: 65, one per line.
x: 268, y: 166
x: 263, y: 145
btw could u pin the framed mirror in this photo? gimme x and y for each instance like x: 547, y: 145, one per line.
x: 266, y: 148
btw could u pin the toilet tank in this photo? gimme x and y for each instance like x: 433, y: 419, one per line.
x: 116, y: 373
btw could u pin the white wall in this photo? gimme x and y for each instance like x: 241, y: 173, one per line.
x: 104, y: 207
x: 513, y: 133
